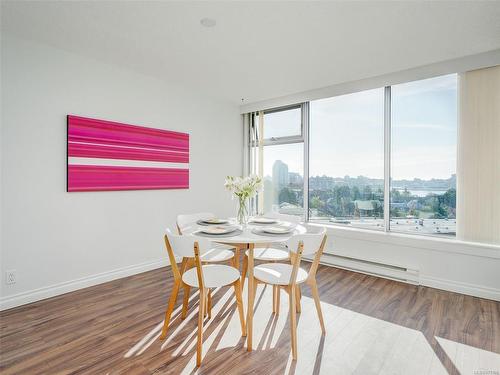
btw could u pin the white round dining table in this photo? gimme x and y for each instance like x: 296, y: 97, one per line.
x: 247, y: 239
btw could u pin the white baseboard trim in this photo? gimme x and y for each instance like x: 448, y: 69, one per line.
x: 424, y: 280
x: 461, y: 287
x: 393, y: 272
x: 23, y: 298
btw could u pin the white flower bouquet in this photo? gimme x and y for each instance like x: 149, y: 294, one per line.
x: 243, y: 188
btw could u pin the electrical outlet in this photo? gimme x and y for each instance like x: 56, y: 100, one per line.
x: 10, y: 277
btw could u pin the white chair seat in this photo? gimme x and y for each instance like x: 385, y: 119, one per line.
x: 217, y: 254
x: 214, y: 275
x: 270, y: 253
x: 278, y: 273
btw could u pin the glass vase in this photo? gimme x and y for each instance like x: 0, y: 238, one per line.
x: 242, y: 211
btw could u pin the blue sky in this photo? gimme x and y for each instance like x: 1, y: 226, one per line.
x: 346, y: 133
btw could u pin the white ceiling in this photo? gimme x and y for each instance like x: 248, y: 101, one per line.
x: 261, y: 50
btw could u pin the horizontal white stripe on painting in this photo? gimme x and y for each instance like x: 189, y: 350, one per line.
x: 125, y: 163
x: 129, y: 147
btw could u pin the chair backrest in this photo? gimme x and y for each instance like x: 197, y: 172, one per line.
x: 312, y: 240
x: 185, y: 220
x: 186, y: 246
x: 284, y: 217
x: 183, y: 245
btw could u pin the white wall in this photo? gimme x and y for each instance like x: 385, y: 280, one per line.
x: 463, y: 267
x: 59, y: 241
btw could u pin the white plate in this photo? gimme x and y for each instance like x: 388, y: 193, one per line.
x: 277, y: 230
x: 215, y: 220
x: 263, y: 220
x: 218, y: 230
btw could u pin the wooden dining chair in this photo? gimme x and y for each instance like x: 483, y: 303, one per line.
x: 202, y: 276
x: 274, y: 253
x: 184, y: 221
x: 289, y: 277
x: 220, y: 253
x: 217, y: 254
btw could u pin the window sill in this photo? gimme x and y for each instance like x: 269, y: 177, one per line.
x: 415, y: 241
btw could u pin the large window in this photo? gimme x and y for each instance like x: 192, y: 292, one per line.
x: 423, y: 156
x: 378, y: 159
x: 279, y: 149
x: 346, y: 159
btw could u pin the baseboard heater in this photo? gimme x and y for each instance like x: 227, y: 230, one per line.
x: 387, y: 271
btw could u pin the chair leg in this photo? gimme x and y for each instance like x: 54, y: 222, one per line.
x: 251, y: 302
x: 170, y: 308
x: 255, y: 286
x: 187, y: 289
x: 185, y: 302
x: 209, y: 304
x: 206, y: 304
x: 293, y: 323
x: 244, y: 270
x: 315, y: 294
x: 297, y: 298
x: 239, y: 303
x: 278, y: 295
x: 274, y: 299
x: 237, y: 258
x: 184, y: 265
x: 201, y: 314
x: 278, y: 299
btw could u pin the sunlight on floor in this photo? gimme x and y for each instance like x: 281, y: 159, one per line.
x: 146, y: 342
x: 154, y: 334
x: 354, y: 343
x: 470, y: 360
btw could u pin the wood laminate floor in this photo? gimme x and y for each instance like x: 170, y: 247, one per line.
x: 374, y: 326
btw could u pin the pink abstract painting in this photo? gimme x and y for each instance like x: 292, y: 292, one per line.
x: 104, y: 155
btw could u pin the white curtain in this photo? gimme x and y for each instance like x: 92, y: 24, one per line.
x: 478, y: 164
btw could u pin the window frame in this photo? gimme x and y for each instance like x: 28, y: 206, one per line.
x: 384, y: 140
x: 287, y: 139
x: 389, y: 140
x: 304, y: 138
x: 299, y: 138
